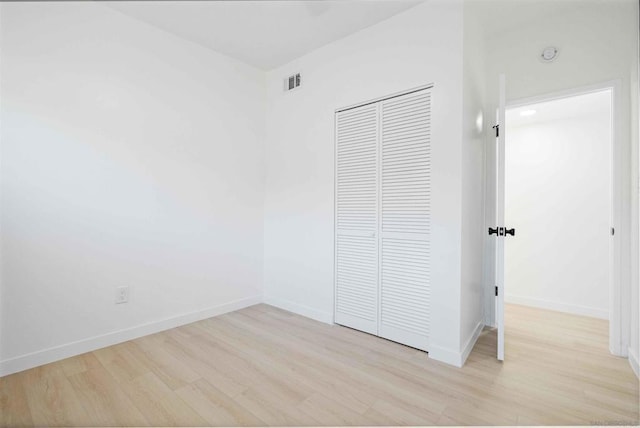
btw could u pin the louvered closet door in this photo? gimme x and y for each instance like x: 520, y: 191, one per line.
x: 356, y: 264
x: 405, y: 190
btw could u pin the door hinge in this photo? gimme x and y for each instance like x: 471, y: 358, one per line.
x: 497, y: 128
x: 496, y: 290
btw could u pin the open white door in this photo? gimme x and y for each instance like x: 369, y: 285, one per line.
x: 500, y: 231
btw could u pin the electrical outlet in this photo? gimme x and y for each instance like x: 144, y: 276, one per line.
x: 122, y: 294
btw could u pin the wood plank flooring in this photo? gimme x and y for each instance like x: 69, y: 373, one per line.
x: 264, y: 366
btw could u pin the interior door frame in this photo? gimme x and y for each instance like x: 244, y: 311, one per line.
x: 619, y: 291
x: 500, y: 211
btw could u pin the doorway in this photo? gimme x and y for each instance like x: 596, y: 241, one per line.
x: 559, y: 199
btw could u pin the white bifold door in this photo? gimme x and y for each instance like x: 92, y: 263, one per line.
x: 382, y: 254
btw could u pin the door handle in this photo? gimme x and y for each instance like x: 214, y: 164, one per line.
x: 502, y: 231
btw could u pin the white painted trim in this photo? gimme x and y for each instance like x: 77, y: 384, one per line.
x: 471, y: 342
x: 500, y: 212
x: 334, y: 287
x: 557, y: 306
x: 619, y: 303
x: 633, y: 362
x: 305, y: 311
x: 1, y: 246
x: 573, y: 92
x: 456, y: 358
x: 445, y: 355
x: 57, y: 353
x: 385, y: 97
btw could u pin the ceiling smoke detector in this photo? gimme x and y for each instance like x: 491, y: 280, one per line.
x: 549, y: 54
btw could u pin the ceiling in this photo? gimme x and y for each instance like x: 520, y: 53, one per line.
x: 263, y: 33
x: 564, y: 108
x: 499, y: 16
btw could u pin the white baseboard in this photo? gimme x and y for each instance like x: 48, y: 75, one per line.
x: 452, y: 357
x: 305, y: 311
x: 471, y: 342
x: 445, y: 355
x: 633, y: 362
x: 61, y: 352
x: 557, y: 306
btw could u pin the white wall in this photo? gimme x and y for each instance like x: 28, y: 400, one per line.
x: 598, y: 42
x: 1, y: 121
x: 557, y: 197
x: 474, y: 127
x: 152, y: 211
x: 129, y: 157
x: 422, y: 45
x: 634, y: 342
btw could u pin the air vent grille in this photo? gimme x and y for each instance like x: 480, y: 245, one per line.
x: 292, y: 82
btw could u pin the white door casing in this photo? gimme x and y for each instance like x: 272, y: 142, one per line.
x: 500, y: 171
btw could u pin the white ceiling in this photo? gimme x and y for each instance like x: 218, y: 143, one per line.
x: 576, y: 106
x: 263, y: 33
x: 498, y: 16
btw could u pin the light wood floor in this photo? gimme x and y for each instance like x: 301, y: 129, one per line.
x: 265, y: 366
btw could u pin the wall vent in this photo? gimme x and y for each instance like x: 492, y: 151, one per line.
x: 292, y: 82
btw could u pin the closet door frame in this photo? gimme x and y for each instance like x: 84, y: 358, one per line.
x: 378, y: 195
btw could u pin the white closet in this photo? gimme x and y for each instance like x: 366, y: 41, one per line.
x: 382, y: 218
